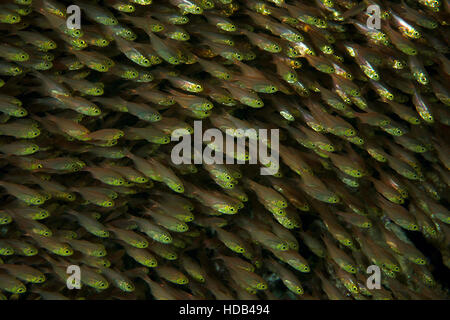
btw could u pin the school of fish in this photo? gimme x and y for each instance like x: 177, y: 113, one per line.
x: 87, y: 117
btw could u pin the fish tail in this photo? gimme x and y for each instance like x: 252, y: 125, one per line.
x: 248, y: 182
x: 117, y: 256
x: 73, y: 212
x: 128, y: 154
x: 39, y: 6
x: 49, y: 259
x: 354, y: 11
x: 74, y: 189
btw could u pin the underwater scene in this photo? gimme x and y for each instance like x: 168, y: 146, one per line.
x: 224, y: 149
